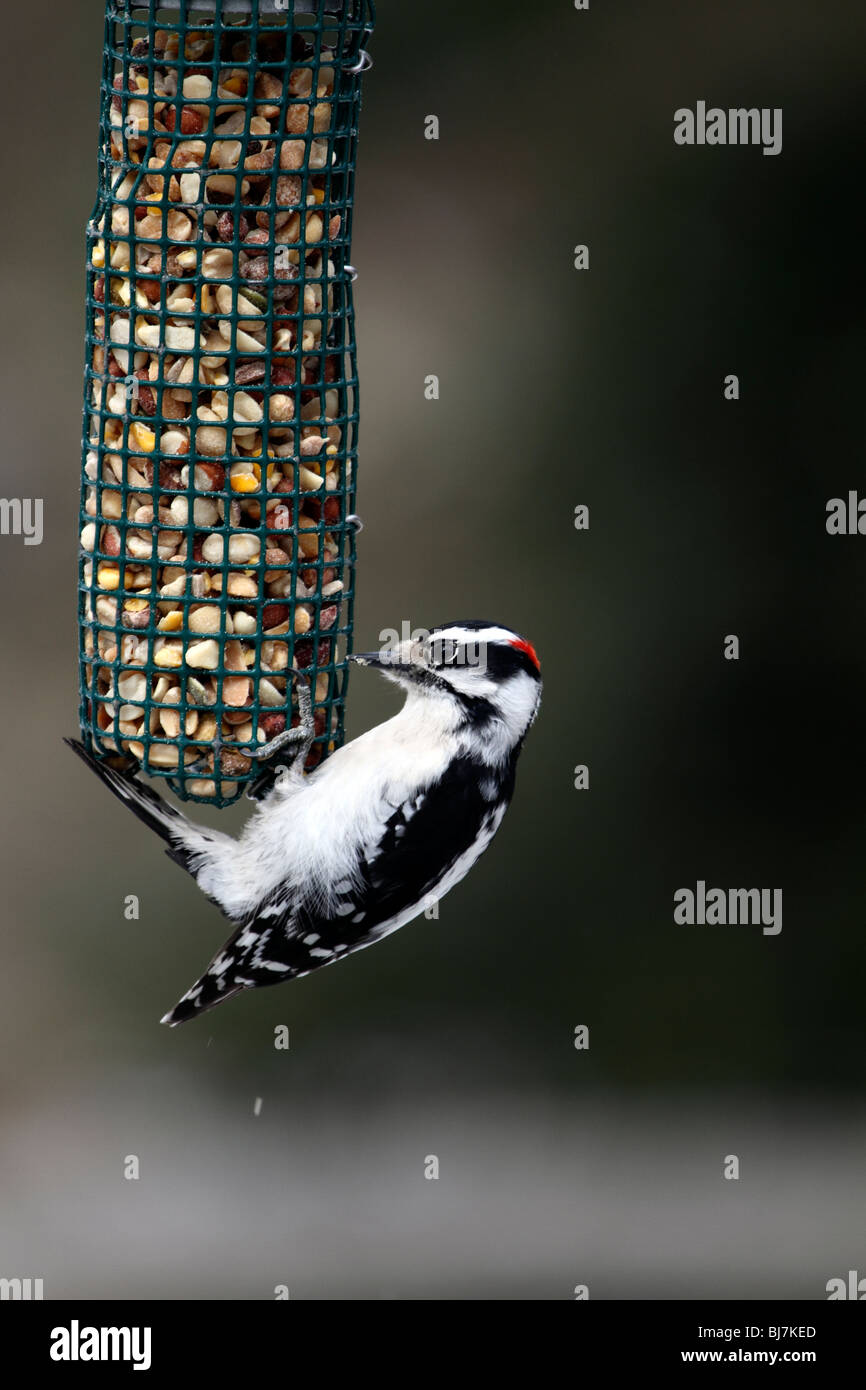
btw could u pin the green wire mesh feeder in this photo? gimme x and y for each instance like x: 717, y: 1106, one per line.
x: 221, y: 399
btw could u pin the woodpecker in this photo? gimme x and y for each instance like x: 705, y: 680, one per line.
x: 335, y: 860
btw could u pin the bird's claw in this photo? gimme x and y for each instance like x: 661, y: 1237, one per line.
x: 299, y: 739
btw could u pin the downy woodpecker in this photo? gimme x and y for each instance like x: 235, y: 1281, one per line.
x: 333, y: 861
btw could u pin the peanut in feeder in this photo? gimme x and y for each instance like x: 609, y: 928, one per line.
x: 220, y: 418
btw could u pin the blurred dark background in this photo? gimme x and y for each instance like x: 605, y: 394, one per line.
x: 558, y: 387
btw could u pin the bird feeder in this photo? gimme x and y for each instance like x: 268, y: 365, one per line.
x: 221, y: 396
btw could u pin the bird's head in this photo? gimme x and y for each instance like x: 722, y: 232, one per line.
x: 486, y: 671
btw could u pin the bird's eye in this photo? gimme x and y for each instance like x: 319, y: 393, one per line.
x: 444, y: 653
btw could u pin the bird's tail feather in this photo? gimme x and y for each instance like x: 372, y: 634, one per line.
x: 230, y: 972
x: 193, y: 847
x: 205, y: 994
x: 186, y: 842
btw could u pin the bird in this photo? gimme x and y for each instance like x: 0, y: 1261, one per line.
x: 334, y: 860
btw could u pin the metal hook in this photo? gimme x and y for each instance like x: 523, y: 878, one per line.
x: 364, y: 63
x: 351, y: 272
x: 355, y: 522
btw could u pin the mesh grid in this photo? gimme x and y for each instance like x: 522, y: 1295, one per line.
x: 221, y: 394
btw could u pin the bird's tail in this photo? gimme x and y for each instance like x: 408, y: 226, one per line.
x: 218, y: 983
x: 188, y: 845
x: 205, y: 994
x: 204, y: 854
x: 231, y: 971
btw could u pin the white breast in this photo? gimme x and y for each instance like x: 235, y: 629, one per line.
x: 309, y: 832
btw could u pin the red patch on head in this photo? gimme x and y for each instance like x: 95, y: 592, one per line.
x: 530, y: 651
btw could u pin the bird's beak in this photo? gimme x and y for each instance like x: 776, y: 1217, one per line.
x: 386, y: 661
x: 398, y: 662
